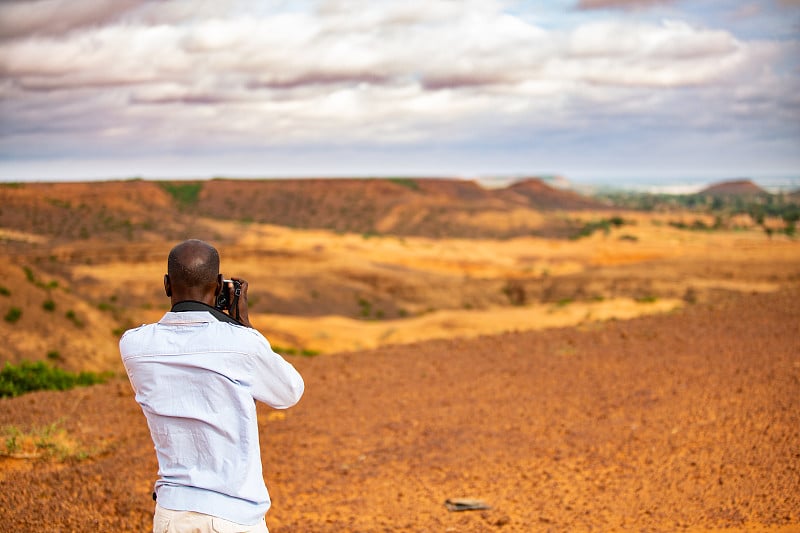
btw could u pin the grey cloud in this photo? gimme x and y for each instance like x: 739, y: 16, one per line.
x: 320, y: 78
x: 619, y: 4
x: 445, y: 80
x: 195, y: 99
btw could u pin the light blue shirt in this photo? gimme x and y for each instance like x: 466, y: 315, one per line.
x: 196, y: 379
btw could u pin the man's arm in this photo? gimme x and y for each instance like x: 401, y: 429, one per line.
x: 275, y: 381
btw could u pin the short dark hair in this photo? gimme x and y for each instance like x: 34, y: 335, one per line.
x: 193, y: 263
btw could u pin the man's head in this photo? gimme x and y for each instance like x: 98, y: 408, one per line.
x: 193, y: 272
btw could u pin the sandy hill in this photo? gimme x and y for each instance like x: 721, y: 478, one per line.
x: 125, y: 210
x: 537, y: 194
x: 733, y: 188
x: 402, y: 206
x: 139, y: 210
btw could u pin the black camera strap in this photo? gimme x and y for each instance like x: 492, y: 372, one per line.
x: 192, y: 305
x: 237, y: 290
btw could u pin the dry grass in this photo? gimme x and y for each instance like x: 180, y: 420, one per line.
x: 50, y: 441
x: 328, y: 291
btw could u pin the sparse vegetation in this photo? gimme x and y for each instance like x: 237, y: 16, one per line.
x: 406, y: 182
x: 184, y: 194
x: 13, y: 315
x: 604, y: 224
x: 30, y: 376
x: 696, y: 225
x: 515, y: 292
x: 49, y: 305
x: 57, y: 202
x: 758, y: 206
x: 72, y: 317
x: 29, y: 275
x: 47, y: 441
x: 4, y: 291
x: 366, y: 311
x: 305, y: 352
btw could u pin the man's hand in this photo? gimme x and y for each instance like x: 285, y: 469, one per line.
x: 241, y: 312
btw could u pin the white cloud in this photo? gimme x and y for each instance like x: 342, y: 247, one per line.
x: 19, y: 18
x: 180, y: 74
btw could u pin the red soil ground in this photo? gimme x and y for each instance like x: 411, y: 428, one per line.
x: 689, y: 421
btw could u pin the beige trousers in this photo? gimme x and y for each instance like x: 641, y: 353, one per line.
x: 168, y: 521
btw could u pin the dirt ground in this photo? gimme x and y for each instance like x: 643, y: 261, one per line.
x: 685, y: 421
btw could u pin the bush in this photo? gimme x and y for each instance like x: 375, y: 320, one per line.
x: 184, y: 194
x: 603, y: 225
x: 72, y: 317
x: 49, y: 305
x: 29, y: 275
x: 4, y: 291
x: 13, y: 315
x: 406, y: 182
x: 28, y: 377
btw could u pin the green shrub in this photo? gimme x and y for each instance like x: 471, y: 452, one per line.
x: 285, y: 350
x: 4, y: 291
x: 406, y: 182
x: 29, y: 275
x: 72, y: 317
x: 184, y: 194
x: 49, y: 305
x: 13, y: 315
x: 29, y: 376
x: 597, y: 225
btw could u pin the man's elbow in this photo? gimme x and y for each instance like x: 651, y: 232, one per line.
x: 298, y: 388
x: 294, y: 391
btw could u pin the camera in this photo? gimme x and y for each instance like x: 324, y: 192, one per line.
x: 228, y: 297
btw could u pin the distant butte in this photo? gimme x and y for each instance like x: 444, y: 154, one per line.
x: 734, y: 188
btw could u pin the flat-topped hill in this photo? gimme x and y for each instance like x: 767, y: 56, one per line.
x: 742, y: 187
x: 137, y: 209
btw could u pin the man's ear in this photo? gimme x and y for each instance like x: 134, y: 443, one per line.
x: 220, y: 284
x: 167, y: 285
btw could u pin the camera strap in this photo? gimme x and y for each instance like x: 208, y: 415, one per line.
x: 191, y: 305
x: 237, y: 291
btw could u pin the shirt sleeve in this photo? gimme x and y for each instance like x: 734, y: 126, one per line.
x: 275, y: 381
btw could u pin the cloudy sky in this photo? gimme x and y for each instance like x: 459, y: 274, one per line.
x: 590, y: 89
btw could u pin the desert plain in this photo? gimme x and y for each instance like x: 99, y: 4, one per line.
x: 455, y: 343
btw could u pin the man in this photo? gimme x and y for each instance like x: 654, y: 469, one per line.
x: 196, y: 374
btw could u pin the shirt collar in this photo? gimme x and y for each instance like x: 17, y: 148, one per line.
x: 191, y: 305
